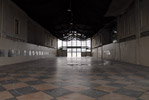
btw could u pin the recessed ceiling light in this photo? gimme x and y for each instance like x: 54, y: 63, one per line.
x: 69, y: 10
x: 71, y: 23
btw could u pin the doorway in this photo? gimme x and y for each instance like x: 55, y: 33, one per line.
x: 73, y: 52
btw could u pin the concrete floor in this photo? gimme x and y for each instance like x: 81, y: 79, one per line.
x: 74, y: 79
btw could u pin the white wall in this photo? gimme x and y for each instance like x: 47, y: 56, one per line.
x: 144, y: 51
x: 126, y: 51
x: 0, y: 16
x: 95, y: 52
x: 111, y: 51
x: 6, y: 44
x: 10, y: 13
x: 17, y: 43
x: 132, y: 46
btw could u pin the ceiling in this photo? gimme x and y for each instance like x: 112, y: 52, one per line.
x: 66, y: 18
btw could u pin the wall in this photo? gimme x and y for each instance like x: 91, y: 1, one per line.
x: 21, y: 38
x: 133, y: 37
x: 38, y: 35
x: 10, y: 13
x: 62, y: 53
x: 16, y: 52
x: 85, y: 54
x: 0, y: 17
x: 144, y: 49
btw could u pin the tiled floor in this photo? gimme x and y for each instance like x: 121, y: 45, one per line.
x: 74, y: 79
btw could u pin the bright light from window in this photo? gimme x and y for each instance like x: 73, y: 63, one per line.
x: 75, y: 47
x: 59, y: 43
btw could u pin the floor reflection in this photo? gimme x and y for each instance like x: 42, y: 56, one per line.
x: 74, y: 79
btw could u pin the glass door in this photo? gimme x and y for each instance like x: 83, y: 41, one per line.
x: 69, y: 54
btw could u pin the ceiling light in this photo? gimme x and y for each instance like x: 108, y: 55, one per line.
x: 115, y: 31
x: 71, y: 23
x: 69, y: 10
x: 75, y: 31
x: 79, y: 34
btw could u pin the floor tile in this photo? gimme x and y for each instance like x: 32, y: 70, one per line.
x: 8, y: 82
x: 145, y: 96
x: 135, y: 77
x: 57, y: 79
x: 42, y: 77
x: 138, y: 88
x: 75, y: 81
x: 2, y: 88
x: 27, y: 79
x: 100, y: 82
x: 22, y: 91
x: 43, y: 87
x: 97, y: 77
x: 117, y: 77
x: 76, y: 88
x: 15, y: 85
x: 128, y: 92
x: 51, y: 80
x: 5, y: 95
x: 107, y: 88
x: 35, y: 96
x: 116, y: 84
x: 3, y: 75
x: 94, y: 93
x: 35, y: 82
x: 123, y: 82
x: 6, y: 78
x: 92, y: 85
x: 58, y: 92
x: 114, y: 96
x: 12, y: 99
x: 22, y: 76
x: 76, y: 96
x: 61, y: 84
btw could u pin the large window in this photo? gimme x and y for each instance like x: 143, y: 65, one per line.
x: 16, y: 26
x: 75, y: 47
x: 60, y: 44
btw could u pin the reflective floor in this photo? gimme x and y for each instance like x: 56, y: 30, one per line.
x: 74, y: 79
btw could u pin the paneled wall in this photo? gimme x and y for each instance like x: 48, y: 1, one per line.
x: 15, y: 52
x: 11, y: 13
x: 21, y: 38
x: 133, y: 37
x: 127, y: 24
x: 38, y: 35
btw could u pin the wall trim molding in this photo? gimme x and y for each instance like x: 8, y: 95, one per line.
x: 133, y: 37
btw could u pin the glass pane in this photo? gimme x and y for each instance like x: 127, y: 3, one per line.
x: 83, y: 43
x: 83, y: 50
x: 68, y: 54
x: 64, y: 43
x: 59, y: 44
x: 73, y: 54
x: 88, y: 50
x: 79, y: 50
x: 83, y: 46
x: 73, y: 42
x: 78, y: 43
x: 69, y: 43
x: 2, y: 53
x: 79, y: 54
x: 74, y: 50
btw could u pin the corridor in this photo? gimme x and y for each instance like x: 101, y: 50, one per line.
x: 64, y: 78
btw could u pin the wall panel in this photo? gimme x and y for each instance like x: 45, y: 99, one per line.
x: 9, y: 45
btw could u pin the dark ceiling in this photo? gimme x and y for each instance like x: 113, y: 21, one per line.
x: 86, y: 16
